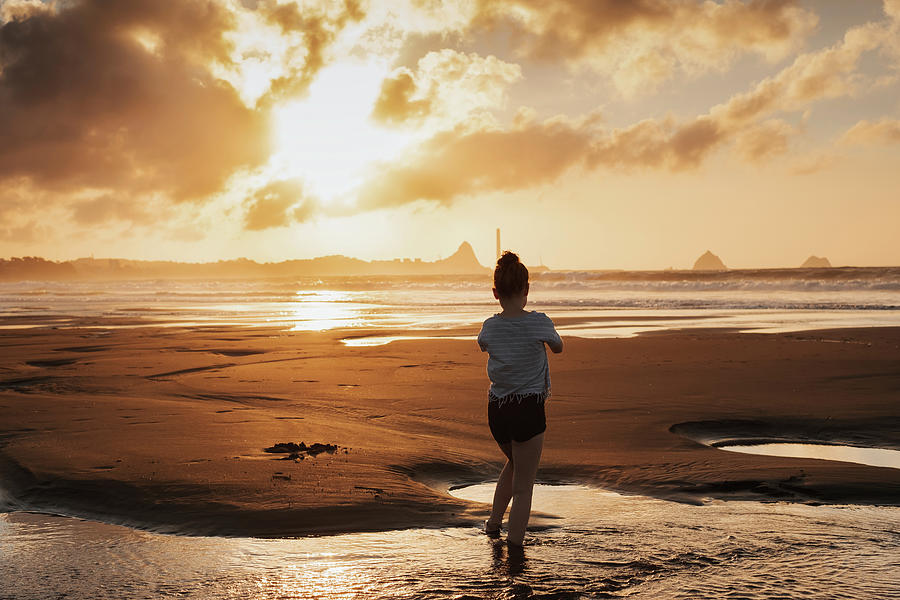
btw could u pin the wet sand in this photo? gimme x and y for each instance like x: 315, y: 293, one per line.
x: 165, y: 428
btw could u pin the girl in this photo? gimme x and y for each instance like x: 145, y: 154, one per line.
x: 520, y: 383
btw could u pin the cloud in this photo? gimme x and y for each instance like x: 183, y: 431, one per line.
x: 469, y: 160
x: 278, y: 204
x: 813, y: 76
x: 463, y: 161
x: 85, y: 102
x: 397, y: 103
x: 318, y: 27
x: 142, y: 98
x: 892, y: 9
x: 466, y: 161
x: 761, y: 142
x: 642, y: 43
x: 445, y: 86
x: 656, y: 143
x: 17, y: 10
x: 474, y: 159
x: 885, y: 131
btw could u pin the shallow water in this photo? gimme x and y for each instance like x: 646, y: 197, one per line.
x: 598, y: 544
x: 607, y: 304
x: 876, y: 457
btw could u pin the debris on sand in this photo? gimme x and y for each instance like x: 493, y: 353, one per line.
x: 300, y: 451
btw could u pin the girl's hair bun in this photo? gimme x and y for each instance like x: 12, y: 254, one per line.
x: 510, y: 276
x: 508, y: 258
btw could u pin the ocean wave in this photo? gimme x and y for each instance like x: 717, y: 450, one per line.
x: 711, y: 304
x: 806, y: 280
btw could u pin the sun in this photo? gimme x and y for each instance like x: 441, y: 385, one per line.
x: 328, y: 138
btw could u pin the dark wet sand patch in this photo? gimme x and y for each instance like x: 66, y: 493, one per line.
x: 191, y: 370
x: 240, y: 398
x: 223, y: 352
x: 26, y: 384
x: 83, y: 349
x: 51, y: 362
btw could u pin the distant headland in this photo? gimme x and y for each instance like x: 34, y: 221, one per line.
x: 816, y: 262
x: 709, y: 262
x: 461, y: 262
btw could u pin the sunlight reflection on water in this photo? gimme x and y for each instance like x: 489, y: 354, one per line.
x: 876, y: 457
x: 326, y: 309
x: 587, y: 543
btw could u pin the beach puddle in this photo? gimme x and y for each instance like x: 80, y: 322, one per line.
x: 587, y: 543
x: 381, y: 340
x: 876, y: 457
x: 551, y: 503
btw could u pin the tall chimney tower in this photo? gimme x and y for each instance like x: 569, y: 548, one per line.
x: 498, y: 243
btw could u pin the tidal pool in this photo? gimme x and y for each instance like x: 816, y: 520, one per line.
x: 876, y: 457
x: 585, y: 543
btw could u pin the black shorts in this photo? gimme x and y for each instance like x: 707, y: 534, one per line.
x: 517, y: 420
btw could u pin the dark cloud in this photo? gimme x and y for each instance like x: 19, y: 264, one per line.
x: 278, y: 204
x: 83, y: 103
x: 395, y: 103
x: 119, y: 95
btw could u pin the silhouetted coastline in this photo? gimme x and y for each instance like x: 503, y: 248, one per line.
x: 461, y: 262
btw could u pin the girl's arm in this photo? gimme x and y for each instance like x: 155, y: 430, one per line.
x: 552, y: 339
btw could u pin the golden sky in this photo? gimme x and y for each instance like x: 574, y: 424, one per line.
x: 594, y: 133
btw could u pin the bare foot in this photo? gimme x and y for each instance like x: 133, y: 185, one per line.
x: 492, y: 529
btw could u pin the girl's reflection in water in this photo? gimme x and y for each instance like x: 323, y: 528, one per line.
x: 507, y: 558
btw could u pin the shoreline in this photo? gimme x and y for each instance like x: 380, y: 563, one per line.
x: 164, y: 429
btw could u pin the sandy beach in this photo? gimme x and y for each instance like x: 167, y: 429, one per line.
x: 164, y: 428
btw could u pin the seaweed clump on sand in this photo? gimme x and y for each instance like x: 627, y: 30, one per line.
x: 300, y: 451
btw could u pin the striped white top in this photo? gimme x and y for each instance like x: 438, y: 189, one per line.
x: 517, y: 359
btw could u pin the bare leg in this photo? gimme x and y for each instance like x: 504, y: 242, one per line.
x: 526, y: 456
x: 503, y: 491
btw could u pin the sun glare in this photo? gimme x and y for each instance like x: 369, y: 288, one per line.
x: 327, y: 138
